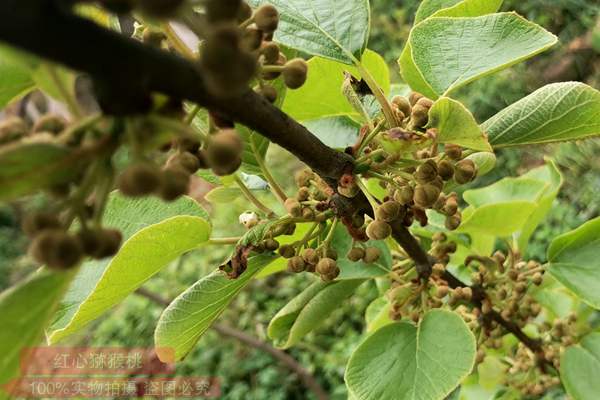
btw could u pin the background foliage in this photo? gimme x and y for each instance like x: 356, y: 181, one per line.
x: 251, y: 374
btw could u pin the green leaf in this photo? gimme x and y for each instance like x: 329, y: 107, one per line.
x: 223, y: 194
x: 456, y: 125
x: 56, y: 81
x: 338, y: 31
x: 154, y: 232
x: 377, y: 314
x: 512, y: 206
x: 556, y: 112
x: 15, y: 75
x: 484, y: 161
x: 342, y: 243
x: 579, y: 368
x: 456, y: 8
x: 25, y: 310
x: 558, y: 301
x: 309, y: 309
x: 554, y: 180
x: 401, y: 361
x: 444, y: 54
x: 338, y: 132
x: 28, y: 167
x: 321, y: 96
x: 186, y: 319
x: 573, y: 261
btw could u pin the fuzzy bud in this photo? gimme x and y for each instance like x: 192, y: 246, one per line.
x: 465, y: 171
x: 426, y: 195
x: 287, y: 251
x: 388, y: 211
x: 427, y: 172
x: 266, y: 18
x: 295, y: 73
x: 453, y: 151
x: 445, y: 170
x: 378, y: 230
x: 296, y: 264
x: 355, y: 254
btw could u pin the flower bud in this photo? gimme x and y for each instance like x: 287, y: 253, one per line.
x: 404, y: 195
x: 326, y: 266
x: 35, y: 223
x: 287, y: 251
x: 453, y: 151
x: 139, y: 180
x: 185, y: 160
x: 378, y: 230
x: 419, y: 116
x: 388, y: 211
x: 465, y: 171
x: 453, y: 222
x: 426, y: 195
x: 310, y: 256
x: 266, y: 18
x: 414, y: 97
x: 372, y: 254
x: 445, y: 170
x: 426, y: 172
x: 174, y: 184
x: 403, y: 104
x: 355, y: 254
x: 296, y: 264
x: 293, y: 207
x: 295, y: 73
x: 56, y: 249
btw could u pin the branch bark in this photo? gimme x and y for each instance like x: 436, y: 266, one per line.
x: 288, y: 361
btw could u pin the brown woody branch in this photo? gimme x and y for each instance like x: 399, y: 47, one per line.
x: 288, y: 361
x: 128, y: 66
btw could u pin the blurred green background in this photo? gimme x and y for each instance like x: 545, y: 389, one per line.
x: 247, y: 373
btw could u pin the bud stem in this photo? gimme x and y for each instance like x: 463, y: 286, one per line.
x: 379, y: 95
x: 275, y: 188
x: 253, y: 199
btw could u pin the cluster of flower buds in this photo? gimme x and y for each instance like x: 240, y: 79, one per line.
x: 56, y: 248
x: 239, y: 47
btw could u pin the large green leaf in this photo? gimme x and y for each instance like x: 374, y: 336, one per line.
x: 321, y: 96
x: 456, y: 8
x: 338, y: 132
x: 554, y: 180
x: 26, y: 168
x: 15, y: 75
x: 573, y: 260
x: 401, y: 361
x: 25, y: 311
x: 337, y: 30
x: 56, y: 81
x: 443, y: 54
x: 456, y: 125
x: 155, y: 233
x: 377, y: 314
x: 191, y: 313
x: 512, y: 206
x: 579, y: 368
x: 308, y: 310
x: 557, y: 112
